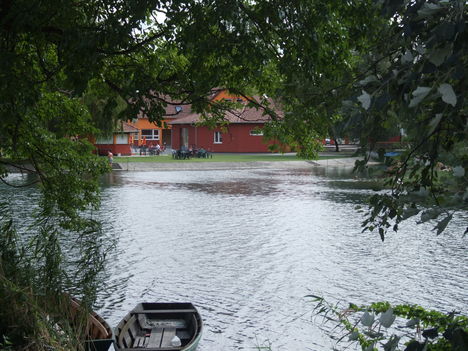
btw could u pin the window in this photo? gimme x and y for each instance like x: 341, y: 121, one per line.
x: 105, y: 140
x: 150, y: 134
x: 217, y: 138
x: 256, y: 132
x: 121, y: 139
x: 178, y: 109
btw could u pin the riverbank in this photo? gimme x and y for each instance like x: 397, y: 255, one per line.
x: 187, y: 165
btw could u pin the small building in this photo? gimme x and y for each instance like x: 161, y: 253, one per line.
x: 243, y: 133
x: 149, y: 133
x: 119, y: 143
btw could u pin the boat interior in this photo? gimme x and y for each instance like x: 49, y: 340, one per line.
x: 153, y: 326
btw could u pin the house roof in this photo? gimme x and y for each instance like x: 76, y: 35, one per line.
x: 180, y: 113
x: 127, y: 128
x: 246, y: 114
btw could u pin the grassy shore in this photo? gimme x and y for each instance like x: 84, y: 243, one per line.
x: 221, y: 158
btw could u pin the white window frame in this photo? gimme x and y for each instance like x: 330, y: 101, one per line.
x: 217, y: 138
x: 256, y: 132
x: 154, y: 134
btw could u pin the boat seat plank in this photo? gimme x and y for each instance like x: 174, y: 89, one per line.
x: 133, y: 330
x: 139, y: 341
x: 124, y: 335
x: 190, y: 310
x: 155, y: 338
x: 168, y: 334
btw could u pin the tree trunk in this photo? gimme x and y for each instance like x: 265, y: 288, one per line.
x: 337, y: 147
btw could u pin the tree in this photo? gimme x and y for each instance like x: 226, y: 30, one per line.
x: 417, y: 81
x: 68, y: 67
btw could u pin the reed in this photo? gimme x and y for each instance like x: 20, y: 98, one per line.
x: 35, y: 311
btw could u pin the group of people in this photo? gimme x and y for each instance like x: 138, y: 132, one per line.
x: 152, y: 149
x: 191, y: 151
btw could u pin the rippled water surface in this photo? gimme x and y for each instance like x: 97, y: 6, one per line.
x: 246, y: 246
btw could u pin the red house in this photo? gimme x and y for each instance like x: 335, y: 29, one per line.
x: 242, y: 134
x: 119, y: 143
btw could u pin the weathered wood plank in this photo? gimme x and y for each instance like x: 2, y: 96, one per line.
x: 155, y: 338
x: 168, y: 334
x: 164, y: 311
x: 139, y: 341
x: 124, y: 336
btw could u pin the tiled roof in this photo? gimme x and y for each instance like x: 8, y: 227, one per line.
x: 243, y: 115
x: 127, y: 128
x: 182, y: 113
x: 247, y: 115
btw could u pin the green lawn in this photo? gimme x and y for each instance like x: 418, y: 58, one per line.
x: 220, y: 158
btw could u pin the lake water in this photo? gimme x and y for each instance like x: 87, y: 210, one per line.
x: 247, y: 246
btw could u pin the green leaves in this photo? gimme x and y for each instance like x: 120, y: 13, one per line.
x: 434, y: 123
x: 418, y: 59
x: 392, y: 343
x: 418, y: 95
x: 390, y: 331
x: 441, y: 225
x: 367, y: 319
x: 438, y: 55
x: 387, y: 318
x: 428, y: 9
x: 448, y: 95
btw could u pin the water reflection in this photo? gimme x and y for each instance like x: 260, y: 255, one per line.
x: 246, y: 246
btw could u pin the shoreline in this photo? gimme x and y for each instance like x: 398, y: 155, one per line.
x: 186, y: 165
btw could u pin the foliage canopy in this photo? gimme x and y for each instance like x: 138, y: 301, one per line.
x: 70, y: 69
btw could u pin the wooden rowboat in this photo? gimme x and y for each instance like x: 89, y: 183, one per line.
x: 97, y: 331
x: 160, y: 327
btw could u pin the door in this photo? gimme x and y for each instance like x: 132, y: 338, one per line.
x: 167, y: 137
x: 184, y: 137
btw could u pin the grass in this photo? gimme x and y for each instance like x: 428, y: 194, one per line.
x: 221, y: 158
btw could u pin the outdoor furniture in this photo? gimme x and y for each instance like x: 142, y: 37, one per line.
x: 154, y: 151
x: 202, y: 153
x: 181, y: 154
x: 184, y: 154
x: 143, y: 150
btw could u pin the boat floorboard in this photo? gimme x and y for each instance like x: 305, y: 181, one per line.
x: 161, y: 337
x: 155, y: 338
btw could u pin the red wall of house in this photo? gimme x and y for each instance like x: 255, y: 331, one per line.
x: 236, y: 138
x: 123, y: 149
